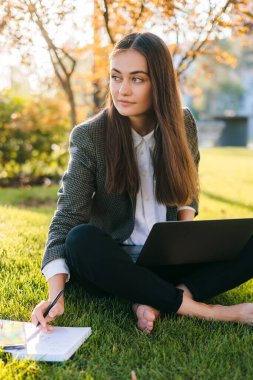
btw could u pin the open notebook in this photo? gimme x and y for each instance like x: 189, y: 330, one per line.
x: 24, y: 341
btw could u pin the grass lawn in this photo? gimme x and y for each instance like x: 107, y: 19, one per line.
x: 180, y: 347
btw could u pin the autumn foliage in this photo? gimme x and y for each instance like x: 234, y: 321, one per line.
x: 191, y: 29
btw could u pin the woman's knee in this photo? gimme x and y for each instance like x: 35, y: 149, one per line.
x: 81, y: 235
x: 80, y: 255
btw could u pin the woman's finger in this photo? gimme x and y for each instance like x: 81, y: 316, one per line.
x: 37, y: 314
x: 56, y: 311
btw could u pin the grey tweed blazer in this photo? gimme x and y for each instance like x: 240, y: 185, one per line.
x: 82, y: 197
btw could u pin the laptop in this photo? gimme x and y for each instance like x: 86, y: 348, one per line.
x: 184, y: 242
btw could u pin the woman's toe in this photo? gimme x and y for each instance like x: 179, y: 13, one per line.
x: 150, y: 325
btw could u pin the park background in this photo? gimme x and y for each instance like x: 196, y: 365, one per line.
x: 53, y: 75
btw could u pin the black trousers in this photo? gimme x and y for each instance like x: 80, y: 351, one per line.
x: 101, y: 266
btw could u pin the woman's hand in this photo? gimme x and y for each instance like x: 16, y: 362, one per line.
x: 55, y: 283
x: 56, y: 311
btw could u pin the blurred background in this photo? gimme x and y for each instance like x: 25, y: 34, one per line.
x: 54, y: 72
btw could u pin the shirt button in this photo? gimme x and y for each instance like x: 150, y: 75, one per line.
x: 144, y: 173
x: 141, y: 152
x: 146, y: 199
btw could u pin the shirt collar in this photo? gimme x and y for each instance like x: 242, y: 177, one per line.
x: 149, y: 138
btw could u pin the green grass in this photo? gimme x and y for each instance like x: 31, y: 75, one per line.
x: 226, y: 181
x: 179, y: 348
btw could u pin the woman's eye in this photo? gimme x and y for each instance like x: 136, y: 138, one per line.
x: 137, y: 80
x: 115, y: 77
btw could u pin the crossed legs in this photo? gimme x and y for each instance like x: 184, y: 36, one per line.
x: 94, y: 256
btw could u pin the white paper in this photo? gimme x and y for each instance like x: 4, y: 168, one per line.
x: 57, y: 345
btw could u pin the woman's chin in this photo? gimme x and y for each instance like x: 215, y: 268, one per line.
x: 125, y: 112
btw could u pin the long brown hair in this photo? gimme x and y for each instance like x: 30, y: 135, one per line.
x: 174, y: 168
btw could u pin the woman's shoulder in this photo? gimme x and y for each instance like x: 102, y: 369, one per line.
x: 92, y: 128
x: 188, y: 118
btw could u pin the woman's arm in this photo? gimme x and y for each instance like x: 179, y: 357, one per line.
x: 192, y: 137
x: 75, y: 194
x: 55, y: 284
x: 186, y: 214
x: 73, y: 208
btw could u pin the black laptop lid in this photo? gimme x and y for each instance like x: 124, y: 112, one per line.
x: 182, y: 242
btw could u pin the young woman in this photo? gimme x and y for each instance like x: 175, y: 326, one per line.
x: 132, y: 165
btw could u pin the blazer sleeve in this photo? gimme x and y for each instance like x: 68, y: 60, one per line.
x: 75, y: 194
x: 192, y: 136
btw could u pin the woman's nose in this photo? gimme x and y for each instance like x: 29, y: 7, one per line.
x: 125, y: 88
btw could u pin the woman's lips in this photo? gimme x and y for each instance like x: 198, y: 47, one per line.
x: 125, y: 103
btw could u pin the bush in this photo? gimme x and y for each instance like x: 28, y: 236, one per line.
x: 33, y: 139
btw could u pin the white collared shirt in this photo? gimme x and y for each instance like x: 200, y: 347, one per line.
x: 148, y: 210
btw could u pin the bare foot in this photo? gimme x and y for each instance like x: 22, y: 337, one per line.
x: 242, y: 313
x: 146, y: 317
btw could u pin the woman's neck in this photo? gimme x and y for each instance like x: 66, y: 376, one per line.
x: 143, y: 124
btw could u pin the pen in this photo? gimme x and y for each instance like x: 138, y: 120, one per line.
x: 51, y: 305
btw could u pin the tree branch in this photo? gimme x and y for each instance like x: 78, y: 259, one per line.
x: 32, y: 10
x: 106, y: 18
x: 139, y: 15
x: 197, y: 45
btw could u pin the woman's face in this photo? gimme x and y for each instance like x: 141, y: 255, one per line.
x: 130, y: 85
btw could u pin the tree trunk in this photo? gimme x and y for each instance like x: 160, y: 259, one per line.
x: 72, y: 103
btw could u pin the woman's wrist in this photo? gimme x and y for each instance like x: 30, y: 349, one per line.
x: 185, y: 214
x: 55, y: 284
